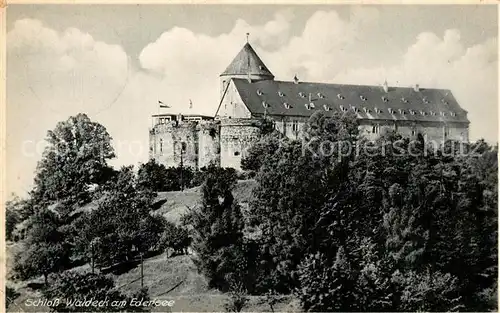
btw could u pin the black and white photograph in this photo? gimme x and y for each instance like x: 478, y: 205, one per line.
x: 249, y: 157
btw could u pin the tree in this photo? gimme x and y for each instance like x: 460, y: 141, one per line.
x: 292, y: 185
x: 393, y: 227
x: 152, y: 175
x: 12, y: 218
x: 218, y: 229
x: 175, y: 237
x: 74, y: 159
x: 121, y: 226
x: 46, y: 252
x: 259, y: 150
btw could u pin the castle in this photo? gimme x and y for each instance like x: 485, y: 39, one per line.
x: 249, y: 93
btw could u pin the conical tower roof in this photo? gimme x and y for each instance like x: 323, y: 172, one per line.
x: 247, y: 62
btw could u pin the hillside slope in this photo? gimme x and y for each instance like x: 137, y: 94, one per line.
x: 177, y: 203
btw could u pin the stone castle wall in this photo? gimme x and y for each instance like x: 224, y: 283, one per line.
x: 190, y: 143
x: 226, y: 141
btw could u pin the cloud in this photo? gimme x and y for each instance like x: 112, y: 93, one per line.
x: 434, y: 62
x: 52, y: 75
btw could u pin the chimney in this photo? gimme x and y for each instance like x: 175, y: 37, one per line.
x: 295, y: 79
x: 416, y: 88
x: 386, y: 87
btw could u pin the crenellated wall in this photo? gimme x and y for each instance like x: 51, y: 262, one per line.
x: 191, y: 143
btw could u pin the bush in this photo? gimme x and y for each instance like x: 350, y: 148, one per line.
x: 10, y: 295
x: 175, y: 237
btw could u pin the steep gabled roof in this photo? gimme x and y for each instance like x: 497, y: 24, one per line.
x: 369, y: 102
x: 247, y: 62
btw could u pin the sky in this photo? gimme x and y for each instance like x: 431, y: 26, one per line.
x: 114, y: 62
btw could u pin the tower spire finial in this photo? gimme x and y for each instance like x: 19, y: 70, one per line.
x: 248, y: 34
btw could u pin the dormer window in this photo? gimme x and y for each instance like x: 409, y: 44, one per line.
x: 412, y: 112
x: 265, y: 104
x: 402, y: 112
x: 343, y: 108
x: 287, y: 106
x: 453, y: 114
x: 443, y: 113
x: 432, y: 113
x: 385, y: 99
x: 320, y: 95
x: 377, y: 110
x: 425, y: 100
x: 326, y: 107
x: 341, y: 97
x: 280, y: 94
x: 261, y: 67
x: 303, y: 95
x: 422, y: 113
x: 355, y: 109
x: 366, y: 110
x: 391, y: 110
x: 259, y: 92
x: 404, y: 100
x: 311, y: 105
x: 362, y: 97
x: 308, y: 106
x: 444, y: 101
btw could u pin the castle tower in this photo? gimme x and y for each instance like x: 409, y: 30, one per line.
x: 247, y: 65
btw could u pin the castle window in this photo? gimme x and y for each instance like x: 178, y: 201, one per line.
x: 385, y: 99
x: 295, y: 126
x: 341, y: 97
x: 326, y: 107
x: 183, y: 146
x: 320, y: 95
x: 376, y: 129
x: 287, y: 106
x: 413, y: 132
x: 259, y: 92
x: 303, y: 95
x: 281, y: 94
x: 446, y: 132
x: 362, y: 97
x: 309, y: 106
x: 236, y: 153
x: 161, y: 145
